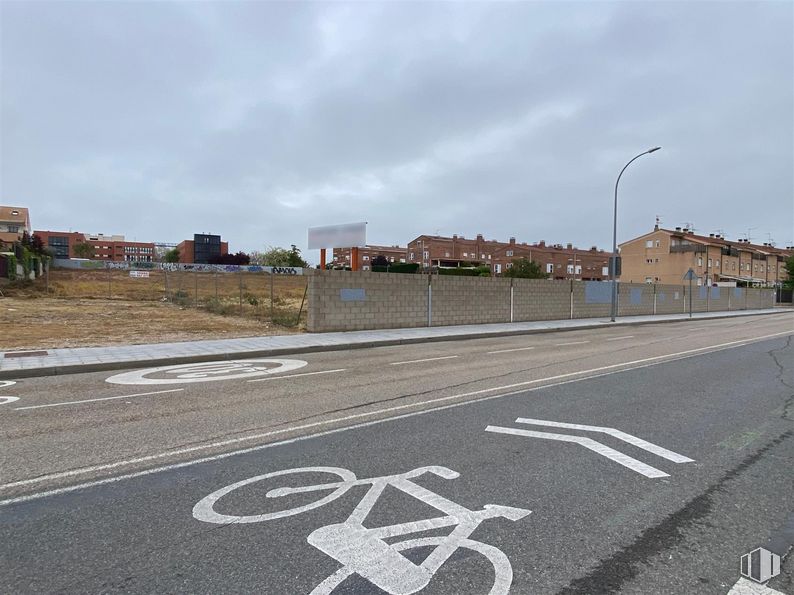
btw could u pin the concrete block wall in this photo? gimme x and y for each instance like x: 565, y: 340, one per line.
x: 635, y: 299
x: 591, y: 299
x: 539, y: 299
x: 469, y: 300
x: 359, y: 300
x: 670, y: 299
x: 346, y: 300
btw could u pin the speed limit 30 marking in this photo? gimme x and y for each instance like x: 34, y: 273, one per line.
x: 208, y: 371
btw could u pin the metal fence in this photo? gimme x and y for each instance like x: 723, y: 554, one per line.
x: 258, y: 294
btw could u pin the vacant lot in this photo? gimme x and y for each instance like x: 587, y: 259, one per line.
x: 39, y: 323
x: 74, y: 308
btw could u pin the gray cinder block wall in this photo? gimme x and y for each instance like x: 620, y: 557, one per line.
x: 346, y: 300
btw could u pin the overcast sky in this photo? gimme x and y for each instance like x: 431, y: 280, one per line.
x: 257, y: 120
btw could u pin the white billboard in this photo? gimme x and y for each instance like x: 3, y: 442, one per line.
x: 348, y: 235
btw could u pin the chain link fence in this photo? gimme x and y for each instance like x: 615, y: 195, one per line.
x: 255, y: 295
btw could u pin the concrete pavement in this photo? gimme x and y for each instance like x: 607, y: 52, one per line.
x: 565, y: 516
x: 85, y: 359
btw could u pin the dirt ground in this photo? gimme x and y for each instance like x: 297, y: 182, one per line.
x: 41, y: 323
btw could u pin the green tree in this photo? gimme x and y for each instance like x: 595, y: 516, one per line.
x: 789, y: 283
x: 83, y: 250
x: 279, y: 257
x: 524, y: 268
x: 171, y: 255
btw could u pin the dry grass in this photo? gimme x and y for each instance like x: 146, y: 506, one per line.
x: 94, y: 308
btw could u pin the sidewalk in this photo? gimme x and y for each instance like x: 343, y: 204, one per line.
x: 93, y: 359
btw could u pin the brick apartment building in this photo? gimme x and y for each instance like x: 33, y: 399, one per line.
x: 558, y: 261
x: 14, y: 221
x: 664, y: 256
x: 202, y: 248
x: 342, y: 256
x: 113, y: 247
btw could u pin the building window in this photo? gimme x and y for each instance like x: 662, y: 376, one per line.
x: 365, y: 258
x: 717, y: 264
x: 365, y: 268
x: 550, y: 268
x: 649, y: 243
x: 604, y: 271
x: 446, y: 254
x: 509, y: 253
x: 509, y: 265
x: 709, y: 263
x: 658, y: 243
x: 649, y: 279
x: 411, y: 256
x: 570, y: 269
x: 578, y: 269
x: 402, y: 260
x: 700, y: 261
x: 649, y: 261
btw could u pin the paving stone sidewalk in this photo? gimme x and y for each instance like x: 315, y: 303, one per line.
x: 91, y: 359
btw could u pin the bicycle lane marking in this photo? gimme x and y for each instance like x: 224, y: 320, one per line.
x: 553, y: 381
x: 364, y: 551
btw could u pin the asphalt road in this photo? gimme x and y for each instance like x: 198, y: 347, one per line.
x: 127, y: 493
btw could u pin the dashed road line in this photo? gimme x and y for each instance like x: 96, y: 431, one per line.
x: 621, y: 338
x: 571, y: 343
x: 296, y: 375
x: 157, y: 392
x: 510, y: 350
x: 419, y: 361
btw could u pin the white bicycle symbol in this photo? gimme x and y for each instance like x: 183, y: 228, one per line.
x: 365, y: 551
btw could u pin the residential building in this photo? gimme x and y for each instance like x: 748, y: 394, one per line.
x: 342, y: 256
x: 558, y: 261
x: 665, y: 256
x: 14, y: 221
x: 105, y: 247
x: 202, y: 248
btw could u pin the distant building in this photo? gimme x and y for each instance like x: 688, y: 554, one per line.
x: 366, y: 254
x: 202, y: 248
x: 14, y: 221
x: 558, y: 261
x: 665, y: 256
x: 105, y: 247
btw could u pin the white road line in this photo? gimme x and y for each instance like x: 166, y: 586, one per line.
x: 157, y: 392
x: 748, y: 587
x: 621, y: 338
x: 510, y: 350
x: 590, y: 444
x: 296, y: 375
x: 635, y: 365
x: 418, y: 361
x: 571, y: 343
x: 633, y: 440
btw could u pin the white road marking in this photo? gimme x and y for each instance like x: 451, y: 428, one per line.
x: 209, y: 371
x: 638, y: 442
x: 621, y: 338
x: 6, y: 400
x: 157, y: 392
x: 748, y: 587
x: 297, y: 375
x: 418, y: 361
x: 633, y: 365
x: 590, y: 444
x: 7, y: 383
x: 571, y: 343
x: 510, y: 350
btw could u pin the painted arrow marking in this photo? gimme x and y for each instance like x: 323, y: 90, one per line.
x: 595, y: 446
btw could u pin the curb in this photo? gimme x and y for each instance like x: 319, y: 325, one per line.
x: 57, y: 370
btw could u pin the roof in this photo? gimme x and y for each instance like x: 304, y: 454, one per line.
x: 715, y: 241
x: 15, y: 215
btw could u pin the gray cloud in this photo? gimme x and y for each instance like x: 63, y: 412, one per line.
x: 259, y: 119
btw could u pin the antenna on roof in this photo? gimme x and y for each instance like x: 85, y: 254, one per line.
x: 658, y: 220
x: 769, y: 239
x: 749, y: 237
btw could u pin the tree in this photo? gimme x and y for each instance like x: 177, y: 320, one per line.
x: 241, y: 258
x: 83, y: 250
x: 171, y: 255
x: 280, y: 257
x: 380, y: 261
x: 524, y: 268
x: 789, y: 283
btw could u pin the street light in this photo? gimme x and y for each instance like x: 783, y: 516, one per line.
x: 614, y: 258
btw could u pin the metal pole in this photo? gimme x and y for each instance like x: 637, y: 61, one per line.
x: 613, y: 259
x: 690, y: 296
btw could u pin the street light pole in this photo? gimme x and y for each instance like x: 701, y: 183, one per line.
x: 614, y: 258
